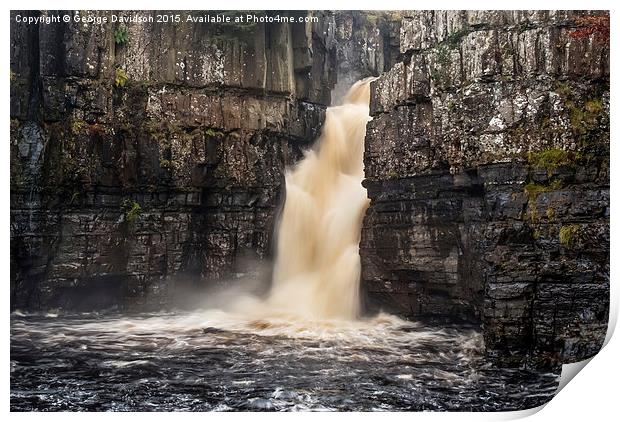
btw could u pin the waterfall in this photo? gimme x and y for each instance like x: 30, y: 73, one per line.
x: 317, y: 267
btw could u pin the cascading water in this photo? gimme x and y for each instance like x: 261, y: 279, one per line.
x: 317, y: 269
x: 300, y: 348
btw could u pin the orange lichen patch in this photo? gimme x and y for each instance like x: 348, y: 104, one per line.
x: 592, y: 25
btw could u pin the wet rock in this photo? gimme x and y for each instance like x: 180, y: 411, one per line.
x: 466, y: 219
x: 123, y: 190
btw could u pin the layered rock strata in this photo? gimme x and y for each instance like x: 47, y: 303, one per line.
x: 487, y: 164
x: 147, y: 153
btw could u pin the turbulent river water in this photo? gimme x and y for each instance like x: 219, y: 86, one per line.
x: 213, y: 360
x: 302, y: 347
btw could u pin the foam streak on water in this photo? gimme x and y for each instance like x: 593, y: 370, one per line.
x: 212, y: 360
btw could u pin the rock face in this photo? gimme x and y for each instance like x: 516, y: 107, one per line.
x: 144, y: 152
x: 487, y: 164
x: 148, y: 157
x: 367, y: 44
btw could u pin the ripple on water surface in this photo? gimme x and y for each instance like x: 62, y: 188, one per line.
x: 212, y: 360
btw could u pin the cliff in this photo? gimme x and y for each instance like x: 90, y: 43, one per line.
x: 148, y: 157
x: 487, y: 164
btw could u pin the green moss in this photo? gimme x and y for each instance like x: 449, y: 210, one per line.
x: 163, y: 131
x: 563, y: 89
x: 451, y: 106
x: 212, y: 132
x: 569, y: 234
x: 532, y: 213
x: 584, y: 119
x: 576, y: 117
x: 154, y: 129
x: 594, y: 106
x: 373, y: 19
x: 550, y: 213
x: 132, y: 210
x: 121, y: 36
x: 120, y: 78
x: 583, y: 115
x: 533, y: 189
x: 552, y: 158
x: 556, y: 184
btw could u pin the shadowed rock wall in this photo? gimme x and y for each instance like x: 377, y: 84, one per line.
x: 148, y: 157
x: 487, y: 163
x: 118, y: 185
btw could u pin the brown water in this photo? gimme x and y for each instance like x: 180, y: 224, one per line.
x: 317, y: 269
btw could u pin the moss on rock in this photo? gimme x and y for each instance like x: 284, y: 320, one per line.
x: 132, y: 210
x: 569, y: 234
x: 553, y: 158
